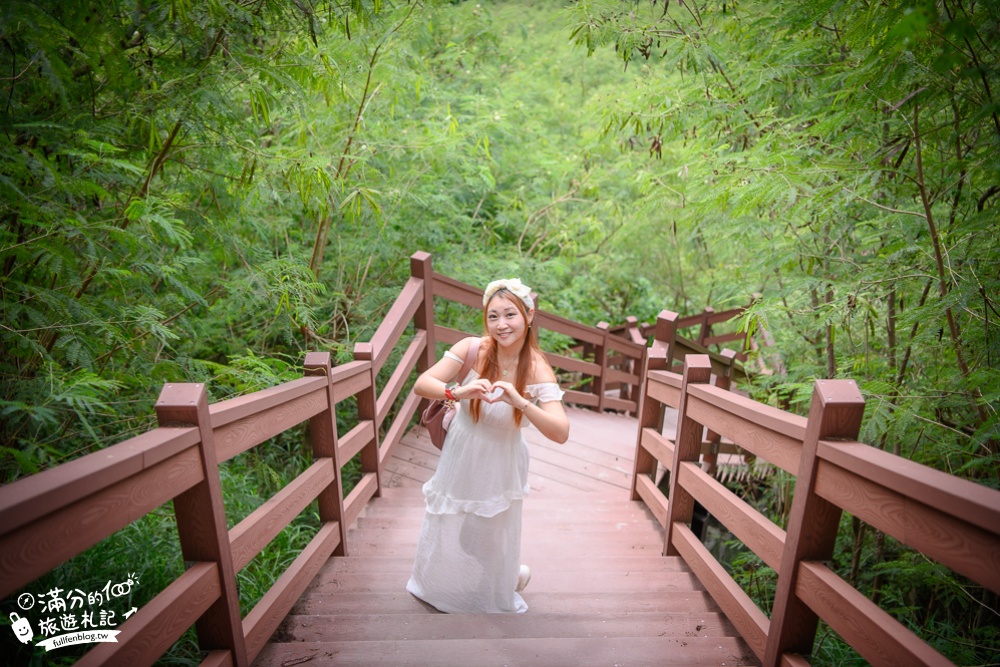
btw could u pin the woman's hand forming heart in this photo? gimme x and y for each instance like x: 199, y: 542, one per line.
x: 504, y: 392
x: 477, y: 389
x: 483, y: 390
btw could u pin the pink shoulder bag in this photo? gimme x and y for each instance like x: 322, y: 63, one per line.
x: 438, y: 415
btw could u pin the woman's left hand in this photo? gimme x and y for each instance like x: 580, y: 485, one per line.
x: 508, y: 394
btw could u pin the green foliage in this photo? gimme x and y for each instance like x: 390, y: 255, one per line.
x: 202, y: 192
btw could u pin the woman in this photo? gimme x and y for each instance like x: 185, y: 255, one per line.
x: 468, y: 556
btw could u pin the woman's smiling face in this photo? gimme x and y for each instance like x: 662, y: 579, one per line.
x: 504, y: 321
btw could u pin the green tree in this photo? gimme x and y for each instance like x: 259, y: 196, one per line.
x: 840, y: 159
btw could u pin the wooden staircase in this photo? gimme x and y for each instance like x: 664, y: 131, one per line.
x: 601, y: 593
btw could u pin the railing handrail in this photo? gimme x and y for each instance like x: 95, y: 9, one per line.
x: 950, y: 520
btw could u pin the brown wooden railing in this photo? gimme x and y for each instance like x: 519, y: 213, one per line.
x: 50, y: 517
x: 949, y: 520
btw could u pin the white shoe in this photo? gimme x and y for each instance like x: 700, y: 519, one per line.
x: 523, y: 577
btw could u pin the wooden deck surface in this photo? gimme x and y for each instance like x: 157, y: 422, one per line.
x: 601, y: 593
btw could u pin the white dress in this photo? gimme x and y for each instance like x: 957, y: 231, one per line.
x: 469, y: 552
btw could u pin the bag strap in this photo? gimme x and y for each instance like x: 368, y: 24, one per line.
x: 470, y: 358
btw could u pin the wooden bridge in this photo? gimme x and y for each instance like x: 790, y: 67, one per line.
x: 619, y: 575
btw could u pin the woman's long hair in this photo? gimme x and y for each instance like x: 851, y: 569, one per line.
x: 488, y: 365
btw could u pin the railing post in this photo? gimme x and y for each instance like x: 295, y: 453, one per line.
x: 657, y: 358
x: 368, y: 410
x: 687, y: 447
x: 706, y: 329
x: 323, y: 433
x: 835, y: 413
x: 634, y: 365
x: 600, y: 382
x: 420, y: 267
x: 201, y: 521
x: 723, y: 381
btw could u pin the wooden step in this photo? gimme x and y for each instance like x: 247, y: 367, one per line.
x: 537, y: 513
x: 547, y: 652
x: 601, y: 591
x: 581, y: 564
x: 541, y: 581
x: 401, y: 602
x: 373, y: 627
x: 552, y: 533
x: 531, y: 551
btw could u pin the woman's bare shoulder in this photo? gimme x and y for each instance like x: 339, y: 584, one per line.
x: 461, y: 348
x: 541, y: 371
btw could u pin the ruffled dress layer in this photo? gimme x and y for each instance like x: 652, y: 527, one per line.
x: 469, y: 551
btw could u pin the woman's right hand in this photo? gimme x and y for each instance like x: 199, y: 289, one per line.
x: 479, y: 388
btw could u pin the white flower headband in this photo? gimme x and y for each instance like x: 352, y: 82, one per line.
x: 512, y: 285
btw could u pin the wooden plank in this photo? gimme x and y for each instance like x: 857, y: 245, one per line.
x: 323, y: 440
x: 459, y: 292
x: 370, y: 627
x: 758, y: 533
x: 687, y: 446
x: 661, y: 447
x: 217, y: 659
x: 29, y: 499
x: 398, y: 427
x: 793, y: 660
x: 742, y: 428
x: 268, y: 613
x: 423, y: 320
x: 653, y: 497
x: 153, y: 629
x: 620, y: 404
x: 543, y: 582
x: 724, y: 338
x: 771, y: 418
x: 664, y: 392
x: 399, y: 376
x: 579, y: 398
x: 626, y: 521
x: 584, y: 564
x: 665, y: 377
x: 402, y: 602
x: 355, y: 440
x: 350, y: 378
x: 449, y: 336
x: 256, y: 531
x: 548, y: 534
x: 950, y: 540
x: 877, y: 636
x: 629, y: 348
x: 368, y: 411
x: 615, y: 376
x: 359, y: 496
x: 572, y: 364
x: 749, y: 620
x: 974, y: 503
x: 240, y: 407
x: 566, y: 327
x: 579, y: 652
x: 252, y: 429
x: 396, y: 320
x: 34, y: 549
